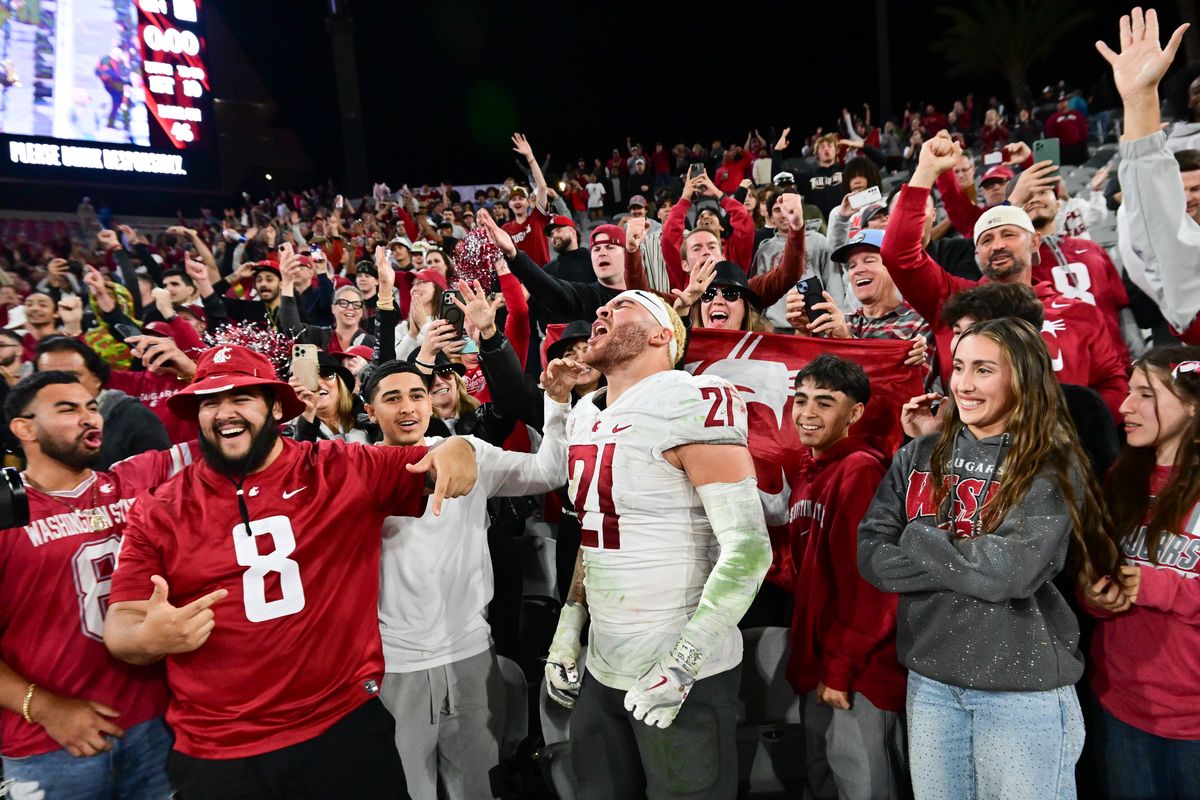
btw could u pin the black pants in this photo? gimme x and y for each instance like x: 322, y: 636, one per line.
x: 615, y: 756
x: 355, y: 758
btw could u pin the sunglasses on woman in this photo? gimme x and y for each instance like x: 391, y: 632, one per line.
x: 731, y: 294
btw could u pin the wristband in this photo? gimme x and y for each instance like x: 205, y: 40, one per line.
x: 421, y: 363
x: 25, y: 703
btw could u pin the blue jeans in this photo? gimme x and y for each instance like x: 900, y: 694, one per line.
x: 134, y: 769
x: 1138, y: 765
x: 969, y: 744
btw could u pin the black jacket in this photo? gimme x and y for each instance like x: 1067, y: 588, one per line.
x: 564, y: 301
x: 130, y: 428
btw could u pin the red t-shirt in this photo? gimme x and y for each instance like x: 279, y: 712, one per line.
x: 530, y: 236
x: 296, y: 645
x: 55, y: 575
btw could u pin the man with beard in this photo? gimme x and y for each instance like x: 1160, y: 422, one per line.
x: 443, y: 682
x: 274, y: 692
x: 265, y: 309
x: 75, y: 722
x: 674, y: 550
x: 1006, y: 245
x: 572, y: 263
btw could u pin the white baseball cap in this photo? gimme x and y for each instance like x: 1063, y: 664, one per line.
x: 996, y: 216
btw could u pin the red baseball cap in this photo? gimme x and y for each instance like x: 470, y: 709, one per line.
x: 227, y: 367
x: 997, y: 173
x: 608, y: 234
x: 558, y: 221
x: 360, y: 350
x: 432, y: 276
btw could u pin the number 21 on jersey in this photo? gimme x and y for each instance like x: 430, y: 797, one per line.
x: 590, y: 469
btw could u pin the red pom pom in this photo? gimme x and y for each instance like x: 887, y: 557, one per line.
x: 269, y: 342
x: 475, y: 258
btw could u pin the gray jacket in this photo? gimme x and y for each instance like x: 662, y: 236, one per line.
x: 1154, y: 227
x: 977, y: 612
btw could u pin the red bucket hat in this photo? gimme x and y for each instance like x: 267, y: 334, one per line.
x: 227, y: 367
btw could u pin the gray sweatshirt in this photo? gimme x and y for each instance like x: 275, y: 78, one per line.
x: 978, y: 612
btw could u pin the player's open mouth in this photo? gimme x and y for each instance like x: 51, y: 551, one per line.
x: 598, y: 329
x: 91, y: 439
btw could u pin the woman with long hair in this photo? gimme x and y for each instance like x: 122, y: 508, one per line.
x: 969, y: 527
x: 1145, y: 654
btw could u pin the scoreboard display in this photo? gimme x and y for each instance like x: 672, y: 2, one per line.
x: 106, y: 90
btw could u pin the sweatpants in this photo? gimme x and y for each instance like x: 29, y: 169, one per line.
x: 614, y: 755
x: 854, y: 753
x: 449, y: 720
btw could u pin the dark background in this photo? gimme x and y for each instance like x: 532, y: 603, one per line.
x: 444, y: 84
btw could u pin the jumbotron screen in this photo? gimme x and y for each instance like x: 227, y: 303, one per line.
x: 114, y: 88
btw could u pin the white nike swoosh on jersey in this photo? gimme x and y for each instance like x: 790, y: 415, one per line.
x: 1057, y: 304
x: 293, y: 493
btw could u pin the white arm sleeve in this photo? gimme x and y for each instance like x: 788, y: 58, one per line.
x: 736, y: 515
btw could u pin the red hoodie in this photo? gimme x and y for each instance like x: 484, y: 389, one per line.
x: 738, y: 248
x: 1079, y: 355
x: 843, y: 628
x: 1146, y: 661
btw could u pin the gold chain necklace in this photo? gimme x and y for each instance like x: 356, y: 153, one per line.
x: 95, y: 518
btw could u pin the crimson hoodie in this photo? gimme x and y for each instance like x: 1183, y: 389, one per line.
x: 1145, y: 662
x: 843, y: 628
x: 1078, y: 354
x: 738, y: 248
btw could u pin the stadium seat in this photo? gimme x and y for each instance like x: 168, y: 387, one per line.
x: 770, y: 732
x: 554, y: 756
x: 516, y: 707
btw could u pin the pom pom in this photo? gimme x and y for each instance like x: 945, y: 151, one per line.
x: 260, y: 338
x: 475, y: 259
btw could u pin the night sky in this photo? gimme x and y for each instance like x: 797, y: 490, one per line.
x: 444, y: 84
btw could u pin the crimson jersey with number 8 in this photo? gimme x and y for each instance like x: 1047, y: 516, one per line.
x: 647, y: 545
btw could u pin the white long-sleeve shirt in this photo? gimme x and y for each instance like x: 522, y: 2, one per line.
x: 1160, y: 243
x: 435, y: 573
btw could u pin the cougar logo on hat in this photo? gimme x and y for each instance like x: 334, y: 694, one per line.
x: 221, y: 356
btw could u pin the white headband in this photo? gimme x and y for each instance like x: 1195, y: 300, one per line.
x: 658, y: 309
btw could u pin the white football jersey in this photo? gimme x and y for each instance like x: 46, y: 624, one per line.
x: 648, y: 547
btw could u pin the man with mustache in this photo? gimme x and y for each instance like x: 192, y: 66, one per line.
x: 674, y: 549
x: 75, y: 722
x: 274, y: 691
x: 1006, y: 247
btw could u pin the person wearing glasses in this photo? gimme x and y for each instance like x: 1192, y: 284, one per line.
x: 728, y: 303
x: 348, y: 313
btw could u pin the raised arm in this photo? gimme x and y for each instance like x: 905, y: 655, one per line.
x: 521, y: 145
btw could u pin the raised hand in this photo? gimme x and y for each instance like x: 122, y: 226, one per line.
x: 636, y: 229
x: 783, y: 142
x: 478, y: 307
x: 699, y: 280
x: 387, y: 275
x: 108, y: 239
x: 1042, y: 175
x: 792, y: 206
x: 831, y: 322
x: 1016, y: 154
x: 918, y: 418
x: 560, y: 377
x: 1142, y: 62
x: 496, y: 235
x: 169, y: 629
x: 521, y: 145
x: 938, y: 155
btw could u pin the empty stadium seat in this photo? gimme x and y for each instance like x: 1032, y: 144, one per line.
x: 770, y: 732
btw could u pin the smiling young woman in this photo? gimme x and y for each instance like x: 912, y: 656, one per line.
x: 969, y: 528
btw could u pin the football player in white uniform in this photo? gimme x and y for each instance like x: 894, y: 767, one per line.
x: 675, y: 548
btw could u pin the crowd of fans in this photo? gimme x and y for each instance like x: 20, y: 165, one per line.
x: 1048, y: 491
